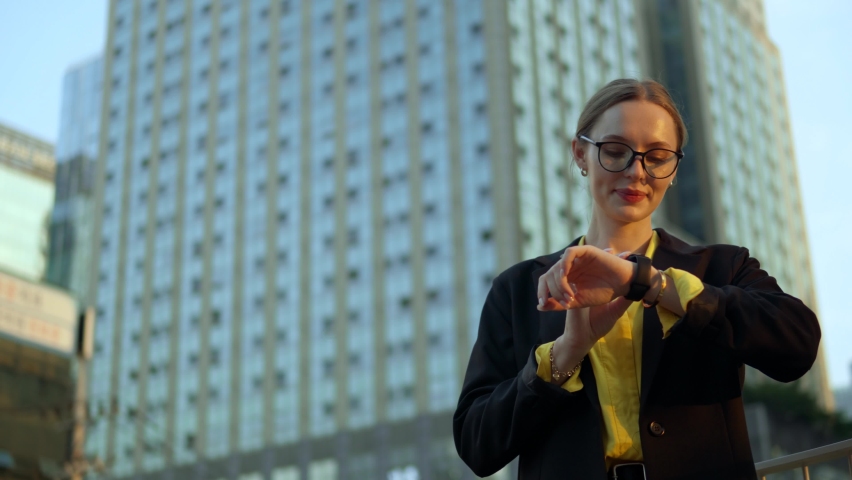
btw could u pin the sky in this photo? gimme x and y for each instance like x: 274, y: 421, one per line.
x: 39, y: 40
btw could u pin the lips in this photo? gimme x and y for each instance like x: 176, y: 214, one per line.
x: 629, y: 195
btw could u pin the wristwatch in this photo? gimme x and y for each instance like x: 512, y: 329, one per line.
x: 641, y: 281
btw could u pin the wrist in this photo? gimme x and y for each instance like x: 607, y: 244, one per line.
x: 656, y: 286
x: 566, y: 355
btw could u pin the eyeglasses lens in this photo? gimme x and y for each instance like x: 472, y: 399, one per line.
x: 659, y: 163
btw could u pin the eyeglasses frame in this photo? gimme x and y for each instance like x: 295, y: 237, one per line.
x: 641, y: 155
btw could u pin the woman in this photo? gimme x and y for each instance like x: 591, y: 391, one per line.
x: 597, y: 362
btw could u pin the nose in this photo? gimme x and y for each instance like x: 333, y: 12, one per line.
x: 636, y: 168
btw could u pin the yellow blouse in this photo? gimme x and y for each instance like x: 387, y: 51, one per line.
x: 617, y: 362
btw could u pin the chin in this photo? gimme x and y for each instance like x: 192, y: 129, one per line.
x: 629, y: 213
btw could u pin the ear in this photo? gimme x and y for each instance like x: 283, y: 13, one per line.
x: 579, y: 154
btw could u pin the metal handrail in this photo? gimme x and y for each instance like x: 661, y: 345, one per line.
x: 804, y: 459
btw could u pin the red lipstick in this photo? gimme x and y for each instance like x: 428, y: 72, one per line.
x: 629, y: 195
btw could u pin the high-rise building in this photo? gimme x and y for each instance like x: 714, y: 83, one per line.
x: 26, y: 196
x: 742, y: 185
x: 301, y: 206
x: 71, y: 223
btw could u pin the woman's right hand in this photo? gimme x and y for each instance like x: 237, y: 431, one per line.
x: 585, y: 326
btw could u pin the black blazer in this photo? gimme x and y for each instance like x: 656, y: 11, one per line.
x: 691, y: 381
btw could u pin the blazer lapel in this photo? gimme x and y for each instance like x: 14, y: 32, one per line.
x: 667, y: 255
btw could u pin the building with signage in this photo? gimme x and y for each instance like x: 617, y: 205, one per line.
x: 71, y: 222
x: 301, y: 206
x: 38, y: 326
x: 26, y: 198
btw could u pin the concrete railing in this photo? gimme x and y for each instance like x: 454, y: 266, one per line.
x: 803, y: 460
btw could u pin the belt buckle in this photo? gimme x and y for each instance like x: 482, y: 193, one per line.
x: 615, y: 469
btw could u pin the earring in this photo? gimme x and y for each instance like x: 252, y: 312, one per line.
x: 673, y: 182
x: 584, y: 172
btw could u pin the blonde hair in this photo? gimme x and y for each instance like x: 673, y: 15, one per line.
x: 627, y: 89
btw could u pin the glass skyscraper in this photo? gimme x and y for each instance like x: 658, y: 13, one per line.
x: 741, y: 186
x: 71, y: 224
x: 300, y: 209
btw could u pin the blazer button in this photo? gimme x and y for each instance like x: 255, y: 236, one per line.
x: 656, y: 429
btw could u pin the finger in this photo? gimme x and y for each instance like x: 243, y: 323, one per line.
x: 542, y: 291
x: 551, y: 305
x: 571, y: 254
x: 555, y: 290
x: 546, y: 302
x: 573, y: 260
x: 568, y: 289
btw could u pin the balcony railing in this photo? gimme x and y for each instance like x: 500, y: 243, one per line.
x: 803, y: 460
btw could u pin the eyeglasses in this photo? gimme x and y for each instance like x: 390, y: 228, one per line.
x: 617, y: 157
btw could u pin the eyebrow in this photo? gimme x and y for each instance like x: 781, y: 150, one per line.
x: 619, y: 138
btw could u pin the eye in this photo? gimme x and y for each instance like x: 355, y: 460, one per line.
x: 659, y: 156
x: 615, y: 150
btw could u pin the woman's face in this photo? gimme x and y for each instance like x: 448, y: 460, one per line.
x: 630, y: 195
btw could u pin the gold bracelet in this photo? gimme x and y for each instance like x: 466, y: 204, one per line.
x: 556, y: 375
x: 659, y: 295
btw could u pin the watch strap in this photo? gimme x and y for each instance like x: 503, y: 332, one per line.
x: 641, y: 281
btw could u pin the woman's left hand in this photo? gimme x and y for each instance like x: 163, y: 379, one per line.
x: 586, y: 276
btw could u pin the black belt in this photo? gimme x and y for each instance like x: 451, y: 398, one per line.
x: 628, y: 471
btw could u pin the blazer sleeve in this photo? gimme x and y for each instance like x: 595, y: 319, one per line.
x: 501, y: 409
x: 755, y: 320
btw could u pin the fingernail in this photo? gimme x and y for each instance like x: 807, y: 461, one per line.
x: 561, y: 272
x: 562, y: 302
x: 540, y: 301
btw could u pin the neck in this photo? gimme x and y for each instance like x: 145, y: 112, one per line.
x: 621, y: 237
